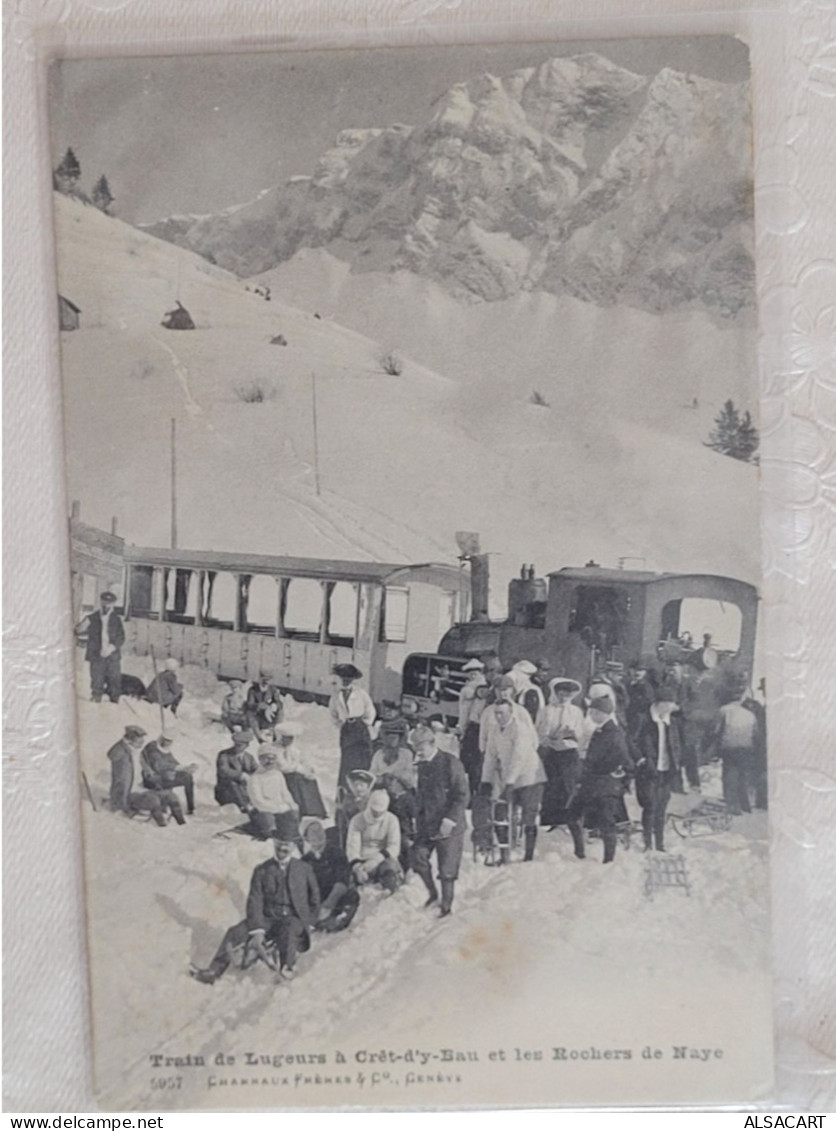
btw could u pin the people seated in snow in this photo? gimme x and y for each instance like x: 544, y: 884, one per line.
x: 165, y: 688
x: 394, y: 757
x: 234, y: 706
x: 340, y: 898
x: 282, y: 907
x: 162, y: 771
x: 264, y: 706
x: 404, y: 806
x: 268, y: 793
x: 373, y: 844
x: 123, y: 797
x: 234, y: 765
x: 297, y: 770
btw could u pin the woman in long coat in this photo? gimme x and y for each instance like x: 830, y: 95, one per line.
x: 353, y: 712
x: 560, y: 727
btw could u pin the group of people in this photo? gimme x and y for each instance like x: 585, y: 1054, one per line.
x: 528, y: 752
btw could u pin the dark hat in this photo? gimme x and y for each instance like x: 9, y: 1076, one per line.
x: 287, y: 827
x: 108, y: 596
x: 347, y: 671
x: 244, y: 737
x: 361, y: 775
x: 135, y: 732
x: 394, y: 726
x: 602, y: 703
x: 503, y: 682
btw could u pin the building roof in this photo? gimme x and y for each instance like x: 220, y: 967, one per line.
x: 593, y: 574
x: 320, y: 568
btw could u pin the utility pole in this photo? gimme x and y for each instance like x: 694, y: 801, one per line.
x: 315, y: 434
x: 173, y: 483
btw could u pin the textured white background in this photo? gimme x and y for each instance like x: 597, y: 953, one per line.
x: 46, y: 1022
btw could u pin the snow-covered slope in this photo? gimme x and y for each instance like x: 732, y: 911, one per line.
x: 404, y: 461
x: 575, y: 177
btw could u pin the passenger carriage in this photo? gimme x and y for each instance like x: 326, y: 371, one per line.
x: 238, y: 614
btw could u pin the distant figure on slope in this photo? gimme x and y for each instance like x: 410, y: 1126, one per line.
x: 105, y: 635
x: 353, y: 712
x: 234, y: 766
x: 282, y: 907
x: 441, y: 800
x: 658, y: 758
x: 123, y: 797
x: 165, y: 688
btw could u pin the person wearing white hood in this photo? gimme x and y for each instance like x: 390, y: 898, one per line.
x: 373, y: 844
x: 529, y: 695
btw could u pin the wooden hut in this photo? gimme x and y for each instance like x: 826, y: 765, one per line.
x: 69, y: 315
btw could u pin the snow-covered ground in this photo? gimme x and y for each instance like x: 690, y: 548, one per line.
x: 554, y: 953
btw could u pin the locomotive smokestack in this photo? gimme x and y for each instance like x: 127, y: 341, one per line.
x: 471, y: 551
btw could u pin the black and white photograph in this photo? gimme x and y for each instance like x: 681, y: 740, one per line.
x: 412, y: 444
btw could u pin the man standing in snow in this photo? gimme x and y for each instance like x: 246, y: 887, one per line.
x: 441, y: 801
x: 736, y: 738
x: 601, y: 796
x: 512, y: 770
x: 658, y: 752
x: 105, y: 636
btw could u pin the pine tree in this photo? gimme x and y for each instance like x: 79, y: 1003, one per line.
x: 67, y: 174
x: 102, y: 196
x: 734, y: 435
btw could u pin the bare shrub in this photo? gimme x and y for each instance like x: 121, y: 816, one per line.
x: 255, y: 392
x: 393, y: 365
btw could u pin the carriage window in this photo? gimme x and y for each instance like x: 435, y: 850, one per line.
x: 262, y: 607
x: 690, y: 620
x: 342, y: 613
x: 395, y: 614
x: 180, y: 595
x: 142, y: 590
x: 599, y: 616
x: 302, y: 608
x: 220, y: 595
x: 416, y: 676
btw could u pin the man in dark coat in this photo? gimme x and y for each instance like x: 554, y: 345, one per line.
x: 123, y: 797
x: 601, y: 796
x: 105, y: 635
x: 162, y: 771
x: 282, y: 907
x: 441, y: 800
x: 340, y: 899
x: 165, y: 688
x: 233, y: 765
x: 658, y: 758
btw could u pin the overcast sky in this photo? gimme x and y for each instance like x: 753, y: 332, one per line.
x: 199, y: 133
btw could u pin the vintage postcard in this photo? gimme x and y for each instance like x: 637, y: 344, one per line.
x: 412, y: 448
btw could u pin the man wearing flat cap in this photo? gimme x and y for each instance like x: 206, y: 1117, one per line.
x: 234, y: 765
x: 601, y: 796
x: 282, y: 907
x: 105, y: 636
x: 353, y: 712
x: 123, y: 797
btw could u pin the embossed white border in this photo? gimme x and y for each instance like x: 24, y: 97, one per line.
x: 46, y: 1031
